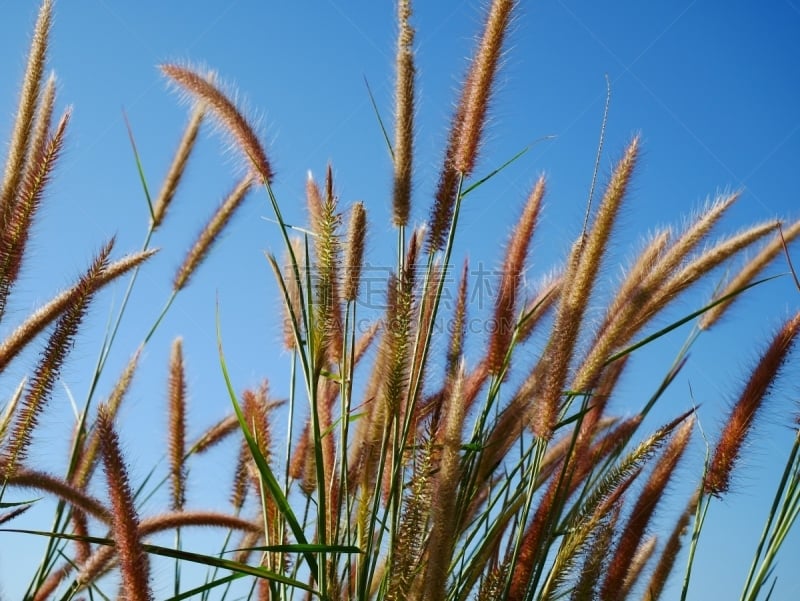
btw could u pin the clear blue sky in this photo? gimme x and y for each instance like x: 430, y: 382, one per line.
x: 713, y: 88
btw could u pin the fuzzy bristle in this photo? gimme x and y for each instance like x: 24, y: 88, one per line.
x: 743, y: 414
x: 749, y: 272
x: 354, y: 254
x: 177, y: 425
x: 232, y: 119
x: 178, y: 166
x: 50, y: 365
x: 505, y: 310
x: 480, y: 82
x: 133, y: 561
x: 404, y: 117
x: 210, y: 233
x: 28, y: 102
x: 37, y: 321
x: 17, y: 220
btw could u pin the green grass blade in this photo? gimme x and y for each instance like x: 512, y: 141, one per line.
x: 198, y: 558
x: 270, y: 481
x: 384, y: 131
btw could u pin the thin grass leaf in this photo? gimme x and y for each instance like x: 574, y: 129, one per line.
x: 139, y: 166
x: 266, y: 472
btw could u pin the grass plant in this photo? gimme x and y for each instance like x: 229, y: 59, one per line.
x: 408, y: 471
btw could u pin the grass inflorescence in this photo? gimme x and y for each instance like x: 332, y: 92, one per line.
x: 412, y: 467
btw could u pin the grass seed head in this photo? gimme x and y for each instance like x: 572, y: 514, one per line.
x: 740, y: 422
x: 232, y: 120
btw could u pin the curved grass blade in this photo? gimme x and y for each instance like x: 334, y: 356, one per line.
x: 386, y: 137
x: 193, y: 593
x: 301, y: 548
x: 270, y: 482
x: 199, y: 558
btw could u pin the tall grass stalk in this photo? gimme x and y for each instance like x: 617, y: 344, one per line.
x: 405, y: 462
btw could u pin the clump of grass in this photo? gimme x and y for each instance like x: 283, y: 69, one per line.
x: 417, y: 473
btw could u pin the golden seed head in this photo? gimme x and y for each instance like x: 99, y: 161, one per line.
x: 354, y: 259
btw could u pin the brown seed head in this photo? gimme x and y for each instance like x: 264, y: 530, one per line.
x: 404, y: 117
x: 177, y: 425
x: 643, y: 510
x: 231, y: 118
x: 88, y: 455
x: 47, y: 371
x: 354, y: 257
x: 480, y: 81
x: 39, y: 319
x: 580, y: 276
x: 740, y: 421
x: 505, y: 310
x: 178, y: 166
x: 210, y: 233
x: 750, y: 271
x: 18, y: 218
x: 133, y: 561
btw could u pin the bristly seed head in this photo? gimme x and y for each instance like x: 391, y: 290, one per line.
x: 729, y: 446
x: 177, y: 425
x: 513, y: 268
x: 226, y: 112
x: 133, y: 561
x: 404, y: 117
x: 210, y: 233
x: 28, y: 101
x: 354, y: 257
x: 479, y: 83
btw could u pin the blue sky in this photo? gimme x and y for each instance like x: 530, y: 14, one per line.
x: 712, y: 87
